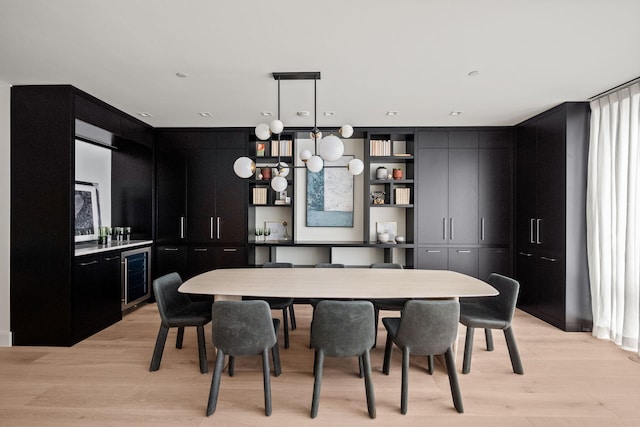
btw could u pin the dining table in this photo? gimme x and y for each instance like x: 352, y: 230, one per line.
x: 344, y: 283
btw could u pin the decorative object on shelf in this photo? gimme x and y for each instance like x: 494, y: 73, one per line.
x: 387, y: 227
x: 258, y: 232
x: 399, y: 239
x: 328, y: 148
x: 377, y: 197
x: 87, y: 211
x: 285, y: 236
x: 277, y: 230
x: 383, y: 237
x: 104, y: 235
x: 266, y: 173
x: 381, y: 172
x: 260, y: 149
x: 330, y: 196
x: 403, y: 196
x: 397, y: 173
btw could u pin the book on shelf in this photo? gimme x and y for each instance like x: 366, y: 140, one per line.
x: 403, y: 195
x: 380, y: 147
x: 259, y: 196
x: 283, y: 147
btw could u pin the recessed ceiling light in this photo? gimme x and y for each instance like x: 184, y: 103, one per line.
x: 143, y: 114
x: 303, y: 113
x: 473, y: 73
x: 329, y: 113
x: 392, y: 113
x: 205, y: 114
x: 266, y: 113
x: 181, y: 75
x: 455, y: 113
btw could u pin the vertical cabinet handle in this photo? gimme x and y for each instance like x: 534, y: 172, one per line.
x: 211, y: 228
x: 182, y: 227
x: 531, y: 226
x: 218, y: 227
x: 444, y: 228
x: 451, y: 228
x: 538, y: 240
x: 482, y: 229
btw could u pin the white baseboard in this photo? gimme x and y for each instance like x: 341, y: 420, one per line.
x: 5, y: 339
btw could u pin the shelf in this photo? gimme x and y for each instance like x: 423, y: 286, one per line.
x: 390, y: 181
x: 390, y: 159
x: 389, y: 205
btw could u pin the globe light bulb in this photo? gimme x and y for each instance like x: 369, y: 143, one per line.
x: 244, y: 167
x: 276, y: 126
x: 355, y: 166
x: 279, y: 184
x: 283, y: 169
x: 346, y: 131
x: 331, y: 148
x: 262, y: 131
x: 315, y: 164
x: 305, y: 155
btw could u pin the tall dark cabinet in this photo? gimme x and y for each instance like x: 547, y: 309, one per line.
x: 49, y: 300
x: 464, y: 185
x: 551, y: 256
x: 201, y: 212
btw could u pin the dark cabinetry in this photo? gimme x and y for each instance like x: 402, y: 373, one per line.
x: 44, y: 127
x: 464, y: 184
x: 96, y: 294
x: 551, y: 259
x: 201, y: 204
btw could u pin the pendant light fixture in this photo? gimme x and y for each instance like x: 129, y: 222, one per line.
x: 328, y: 148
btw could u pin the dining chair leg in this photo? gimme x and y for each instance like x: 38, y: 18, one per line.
x: 388, y: 350
x: 514, y: 354
x: 202, y: 350
x: 215, y: 383
x: 275, y: 355
x: 404, y: 393
x: 292, y: 315
x: 430, y: 364
x: 159, y: 348
x: 489, y: 338
x: 468, y: 348
x: 231, y: 369
x: 285, y: 323
x: 317, y: 369
x: 368, y: 384
x: 453, y: 380
x: 360, y: 367
x: 376, y: 315
x: 179, y: 337
x: 266, y: 374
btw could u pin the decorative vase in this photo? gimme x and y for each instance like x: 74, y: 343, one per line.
x: 397, y: 174
x: 383, y: 237
x: 381, y: 173
x: 266, y: 173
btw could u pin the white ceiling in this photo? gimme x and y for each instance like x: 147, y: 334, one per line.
x: 410, y: 56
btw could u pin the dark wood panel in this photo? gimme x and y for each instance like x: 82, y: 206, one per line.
x: 463, y: 196
x: 435, y: 258
x: 231, y: 192
x: 494, y: 196
x: 433, y: 195
x: 201, y: 194
x: 171, y: 184
x: 494, y: 260
x: 464, y: 260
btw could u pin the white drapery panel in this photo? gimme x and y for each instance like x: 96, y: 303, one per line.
x: 613, y: 217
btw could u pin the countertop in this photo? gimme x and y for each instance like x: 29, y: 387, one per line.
x: 94, y: 248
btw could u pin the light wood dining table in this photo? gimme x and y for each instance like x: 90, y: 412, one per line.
x: 357, y: 283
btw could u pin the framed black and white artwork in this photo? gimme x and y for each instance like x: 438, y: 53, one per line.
x: 87, y: 211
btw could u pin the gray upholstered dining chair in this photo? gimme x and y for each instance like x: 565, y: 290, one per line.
x: 342, y: 329
x: 492, y: 313
x: 426, y: 327
x: 241, y: 328
x: 178, y: 311
x: 284, y: 304
x: 390, y: 304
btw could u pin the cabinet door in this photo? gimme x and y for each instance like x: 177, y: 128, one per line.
x: 463, y: 196
x: 550, y: 180
x: 464, y: 260
x: 171, y: 179
x: 433, y: 258
x: 525, y: 274
x: 231, y: 257
x: 170, y: 259
x: 494, y: 202
x: 86, y: 297
x: 433, y: 195
x: 494, y: 260
x: 201, y: 194
x: 231, y: 199
x: 200, y: 259
x: 525, y: 198
x: 111, y: 298
x: 551, y: 287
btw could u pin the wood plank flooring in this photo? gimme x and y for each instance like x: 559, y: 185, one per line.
x: 571, y: 379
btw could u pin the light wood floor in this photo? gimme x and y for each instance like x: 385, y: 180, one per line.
x: 571, y: 379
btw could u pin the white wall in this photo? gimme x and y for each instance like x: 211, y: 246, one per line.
x: 5, y: 192
x: 93, y: 164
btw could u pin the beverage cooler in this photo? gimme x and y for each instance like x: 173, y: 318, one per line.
x: 136, y: 276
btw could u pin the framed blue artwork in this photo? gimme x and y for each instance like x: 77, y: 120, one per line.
x: 330, y: 195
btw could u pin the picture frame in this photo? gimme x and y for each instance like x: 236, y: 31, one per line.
x: 87, y: 211
x: 278, y: 230
x: 330, y: 195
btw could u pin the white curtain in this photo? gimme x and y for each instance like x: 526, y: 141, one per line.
x: 613, y: 217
